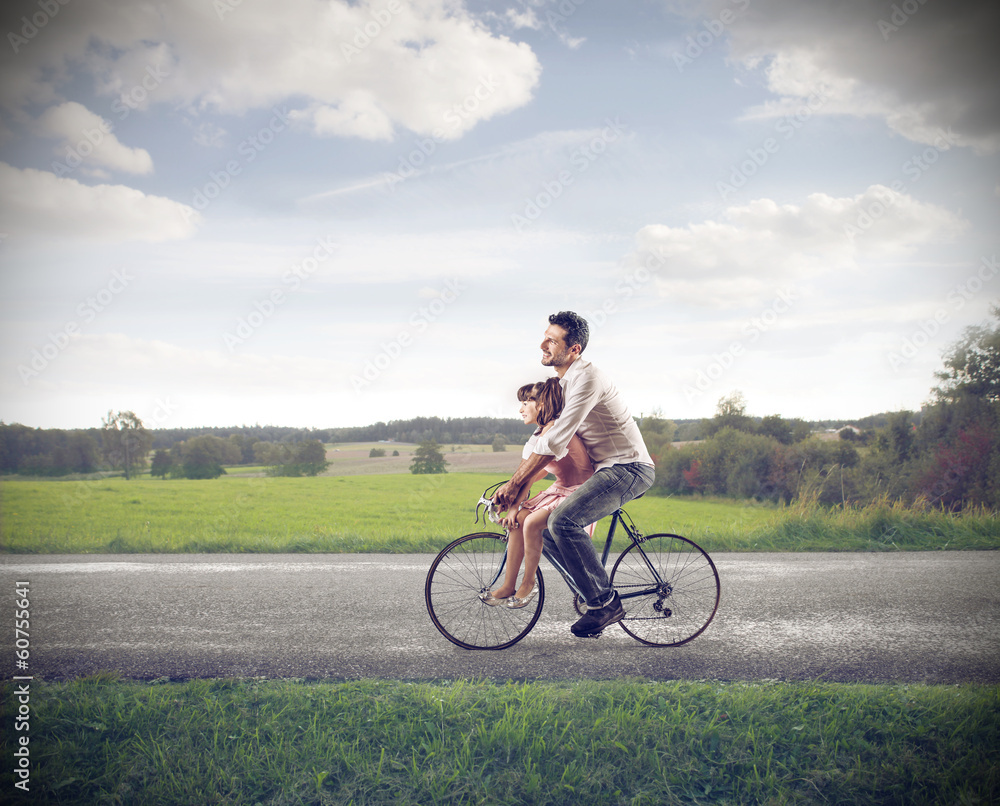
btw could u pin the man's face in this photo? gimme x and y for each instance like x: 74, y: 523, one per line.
x: 555, y: 353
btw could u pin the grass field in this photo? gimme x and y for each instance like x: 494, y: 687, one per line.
x: 403, y: 513
x: 229, y: 742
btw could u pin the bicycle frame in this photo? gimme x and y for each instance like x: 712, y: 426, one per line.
x: 618, y: 517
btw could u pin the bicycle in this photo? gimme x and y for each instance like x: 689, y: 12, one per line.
x: 668, y: 585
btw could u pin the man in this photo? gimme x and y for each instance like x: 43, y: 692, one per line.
x: 595, y: 411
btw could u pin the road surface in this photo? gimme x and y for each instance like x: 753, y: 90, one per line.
x: 905, y: 617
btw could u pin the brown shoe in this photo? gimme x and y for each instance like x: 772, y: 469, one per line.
x: 593, y: 624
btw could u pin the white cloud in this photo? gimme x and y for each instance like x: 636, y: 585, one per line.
x: 209, y: 135
x: 762, y: 245
x: 554, y: 11
x: 99, y: 359
x: 41, y: 203
x: 525, y: 18
x: 358, y: 70
x: 89, y: 137
x: 357, y: 115
x: 922, y: 66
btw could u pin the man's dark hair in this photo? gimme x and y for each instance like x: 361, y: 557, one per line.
x: 576, y: 327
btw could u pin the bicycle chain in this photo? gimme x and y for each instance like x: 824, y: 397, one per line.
x: 641, y: 618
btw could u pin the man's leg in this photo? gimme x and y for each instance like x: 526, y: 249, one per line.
x: 566, y: 537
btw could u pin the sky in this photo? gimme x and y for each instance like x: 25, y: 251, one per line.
x: 316, y: 213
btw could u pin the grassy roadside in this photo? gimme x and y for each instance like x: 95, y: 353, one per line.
x: 402, y: 513
x: 100, y: 740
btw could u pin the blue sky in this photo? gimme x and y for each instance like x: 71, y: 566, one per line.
x: 326, y: 214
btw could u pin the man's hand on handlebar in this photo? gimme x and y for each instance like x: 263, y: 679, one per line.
x: 505, y: 496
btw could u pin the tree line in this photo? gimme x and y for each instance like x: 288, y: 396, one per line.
x: 946, y: 455
x: 202, y: 452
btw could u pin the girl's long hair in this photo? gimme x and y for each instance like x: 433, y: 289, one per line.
x: 549, y: 396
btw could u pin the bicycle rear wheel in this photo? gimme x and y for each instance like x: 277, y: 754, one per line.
x: 669, y: 587
x: 464, y: 569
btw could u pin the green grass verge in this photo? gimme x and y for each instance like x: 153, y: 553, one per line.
x: 101, y: 740
x: 404, y: 513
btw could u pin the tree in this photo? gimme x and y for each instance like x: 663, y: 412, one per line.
x: 499, y: 444
x: 162, y: 464
x: 310, y: 458
x: 125, y: 442
x: 896, y: 440
x: 658, y: 434
x: 271, y: 453
x: 427, y: 458
x: 245, y: 445
x: 972, y: 365
x: 730, y: 412
x: 307, y: 458
x: 203, y: 457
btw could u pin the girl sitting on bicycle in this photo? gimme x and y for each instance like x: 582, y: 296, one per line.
x: 541, y: 404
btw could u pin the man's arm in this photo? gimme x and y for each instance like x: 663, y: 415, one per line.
x: 582, y: 394
x: 525, y: 474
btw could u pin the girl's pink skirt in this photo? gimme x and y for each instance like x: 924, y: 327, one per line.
x: 551, y: 498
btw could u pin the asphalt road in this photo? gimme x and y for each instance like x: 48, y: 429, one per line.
x: 906, y: 617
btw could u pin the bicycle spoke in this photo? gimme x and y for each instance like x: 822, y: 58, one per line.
x: 669, y: 588
x: 459, y: 574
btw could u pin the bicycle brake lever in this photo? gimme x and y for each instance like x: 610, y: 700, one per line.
x: 487, y: 504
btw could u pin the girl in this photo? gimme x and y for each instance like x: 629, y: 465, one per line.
x: 541, y: 404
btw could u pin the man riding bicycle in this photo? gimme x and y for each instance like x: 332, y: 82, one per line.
x: 595, y: 411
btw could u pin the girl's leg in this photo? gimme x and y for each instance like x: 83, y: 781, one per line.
x: 515, y: 554
x: 533, y: 527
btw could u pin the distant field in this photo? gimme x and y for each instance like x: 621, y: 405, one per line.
x: 403, y: 513
x: 352, y: 459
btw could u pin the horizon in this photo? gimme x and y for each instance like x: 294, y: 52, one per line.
x: 676, y: 420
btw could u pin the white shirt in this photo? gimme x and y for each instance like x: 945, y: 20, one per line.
x: 594, y: 409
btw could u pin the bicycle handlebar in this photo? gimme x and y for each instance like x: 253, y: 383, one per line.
x: 490, y: 510
x: 486, y: 500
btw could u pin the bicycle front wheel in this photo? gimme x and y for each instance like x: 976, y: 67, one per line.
x: 669, y: 587
x: 462, y: 571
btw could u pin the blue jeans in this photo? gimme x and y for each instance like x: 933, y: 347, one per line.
x: 566, y: 538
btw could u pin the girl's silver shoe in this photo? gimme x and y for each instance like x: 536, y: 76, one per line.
x: 515, y: 602
x: 488, y: 598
